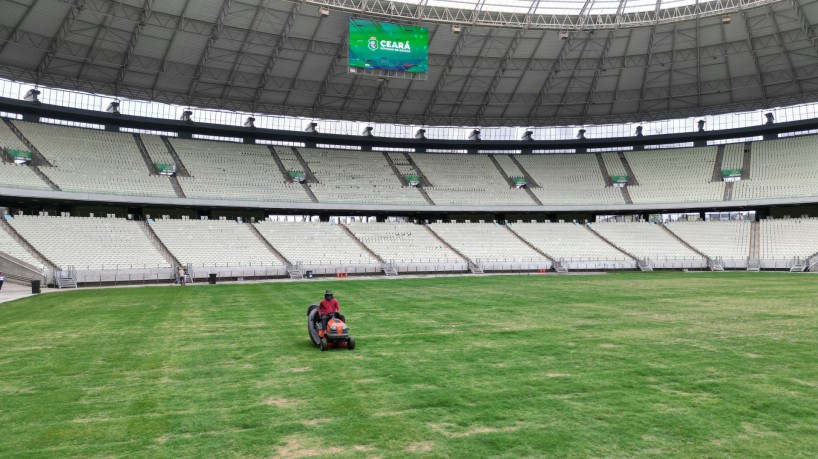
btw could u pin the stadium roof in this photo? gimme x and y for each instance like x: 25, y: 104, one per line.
x: 514, y: 63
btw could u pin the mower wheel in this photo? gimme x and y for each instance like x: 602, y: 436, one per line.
x: 350, y: 343
x: 323, y: 344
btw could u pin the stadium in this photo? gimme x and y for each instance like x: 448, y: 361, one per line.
x: 578, y: 228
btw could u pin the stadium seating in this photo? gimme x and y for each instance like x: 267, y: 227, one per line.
x: 729, y: 240
x: 781, y: 168
x: 356, y: 177
x: 614, y: 165
x: 227, y: 170
x: 733, y: 156
x: 87, y: 243
x: 314, y: 243
x: 467, y: 180
x: 645, y: 241
x: 157, y: 150
x: 403, y: 243
x: 568, y: 241
x: 20, y: 176
x: 288, y: 159
x: 679, y: 175
x: 11, y: 247
x: 486, y: 242
x: 569, y: 179
x: 9, y: 139
x: 509, y: 167
x: 783, y: 239
x: 209, y: 243
x: 94, y: 161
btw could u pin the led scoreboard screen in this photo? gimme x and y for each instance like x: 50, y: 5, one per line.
x: 386, y: 46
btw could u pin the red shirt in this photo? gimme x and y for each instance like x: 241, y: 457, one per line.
x: 328, y: 307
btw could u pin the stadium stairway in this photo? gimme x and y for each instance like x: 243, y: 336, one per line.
x: 604, y: 170
x: 160, y: 246
x: 753, y: 259
x: 269, y: 246
x: 37, y: 158
x: 181, y: 170
x: 728, y: 191
x: 710, y: 261
x: 717, y: 165
x: 309, y: 176
x: 424, y: 182
x: 632, y: 181
x: 140, y: 145
x: 501, y: 171
x: 4, y: 226
x: 748, y: 161
x: 560, y: 267
x: 177, y: 187
x: 395, y: 169
x: 590, y: 228
x: 529, y: 181
x: 360, y: 243
x: 449, y: 246
x: 626, y: 195
x: 284, y: 172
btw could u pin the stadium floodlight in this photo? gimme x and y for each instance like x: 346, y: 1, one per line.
x: 113, y: 108
x: 323, y: 11
x: 770, y: 118
x: 564, y: 34
x: 700, y: 124
x: 33, y: 96
x: 638, y: 131
x: 581, y: 134
x: 726, y: 19
x: 250, y: 122
x: 475, y: 135
x: 456, y: 28
x: 420, y: 134
x: 368, y: 132
x: 186, y: 116
x: 528, y: 136
x: 312, y: 128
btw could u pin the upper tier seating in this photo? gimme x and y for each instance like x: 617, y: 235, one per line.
x: 568, y: 241
x: 614, y: 165
x: 781, y: 168
x: 645, y: 241
x: 21, y: 176
x: 509, y: 166
x: 209, y: 243
x: 93, y: 161
x: 486, y: 242
x: 725, y: 239
x: 11, y: 247
x: 679, y: 175
x: 352, y: 176
x: 89, y: 243
x: 227, y: 170
x: 314, y: 243
x: 569, y: 179
x: 467, y: 180
x: 783, y: 239
x: 403, y: 243
x: 157, y: 150
x: 402, y: 164
x: 733, y: 156
x: 9, y: 139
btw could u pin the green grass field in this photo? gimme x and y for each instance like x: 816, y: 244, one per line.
x: 618, y: 365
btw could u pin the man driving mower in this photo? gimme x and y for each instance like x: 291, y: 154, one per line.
x: 327, y: 308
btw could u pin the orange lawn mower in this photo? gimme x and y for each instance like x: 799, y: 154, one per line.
x: 335, y: 336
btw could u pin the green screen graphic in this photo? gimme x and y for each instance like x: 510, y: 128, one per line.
x: 381, y: 45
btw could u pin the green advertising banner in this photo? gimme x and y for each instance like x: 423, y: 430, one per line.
x: 619, y: 178
x: 731, y: 173
x: 20, y: 154
x: 166, y: 169
x: 297, y: 176
x: 519, y: 180
x: 412, y: 179
x: 386, y: 46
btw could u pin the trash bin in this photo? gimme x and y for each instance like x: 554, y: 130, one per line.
x: 212, y: 278
x: 35, y: 286
x: 309, y: 274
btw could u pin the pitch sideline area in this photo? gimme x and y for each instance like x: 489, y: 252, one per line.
x: 666, y: 364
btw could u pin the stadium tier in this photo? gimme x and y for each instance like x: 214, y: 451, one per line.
x: 356, y: 177
x: 315, y: 243
x: 213, y: 243
x: 87, y: 243
x: 573, y: 244
x: 98, y: 245
x: 404, y: 243
x: 648, y: 241
x: 227, y: 170
x: 93, y: 161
